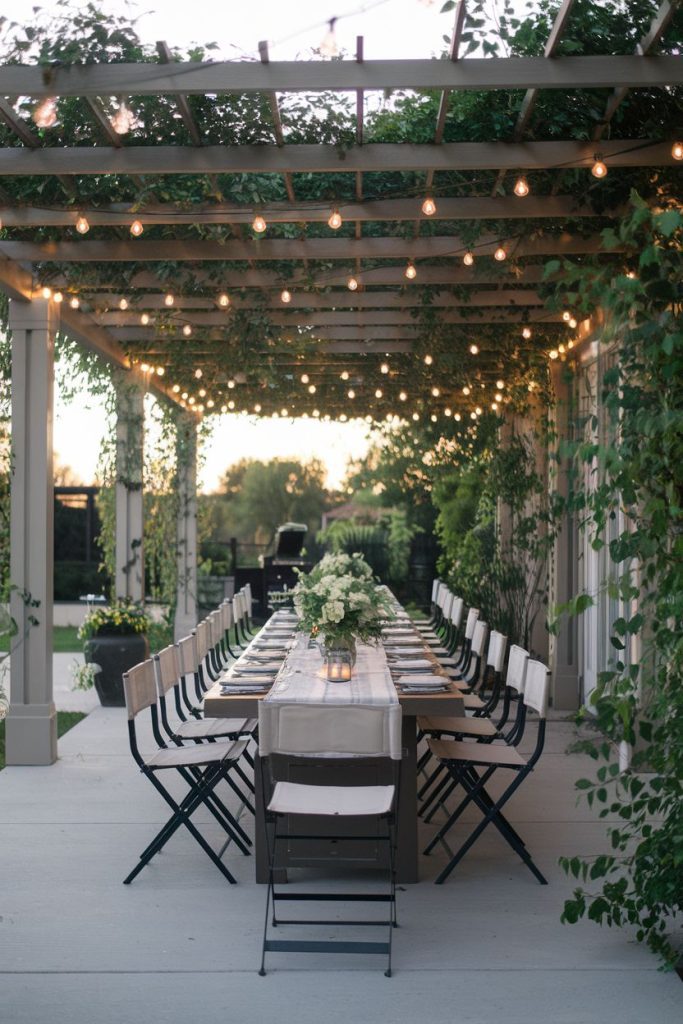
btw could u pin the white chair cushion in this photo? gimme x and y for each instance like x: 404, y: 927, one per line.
x: 204, y: 753
x: 202, y: 728
x: 345, y: 801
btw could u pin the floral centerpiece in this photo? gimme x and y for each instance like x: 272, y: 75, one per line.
x: 340, y: 608
x: 114, y: 640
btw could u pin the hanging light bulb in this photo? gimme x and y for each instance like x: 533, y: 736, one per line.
x: 210, y: 403
x: 474, y: 350
x: 45, y: 114
x: 169, y: 299
x: 402, y: 396
x: 344, y: 375
x: 305, y: 378
x: 447, y: 411
x: 223, y: 300
x: 74, y: 302
x: 677, y: 151
x: 498, y: 397
x: 123, y: 120
x: 198, y: 374
x: 160, y: 371
x: 494, y: 406
x: 465, y: 390
x: 521, y: 188
x: 136, y: 228
x: 231, y: 383
x: 187, y: 330
x: 416, y: 416
x: 573, y: 322
x: 175, y: 389
x: 334, y: 221
x: 145, y: 367
x: 46, y: 292
x: 428, y: 207
x: 435, y: 392
x: 473, y: 415
x: 500, y: 254
x: 500, y: 384
x: 553, y: 354
x: 410, y: 271
x: 428, y: 360
x: 123, y: 303
x: 468, y: 258
x: 312, y: 389
x: 82, y: 225
x: 285, y: 296
x: 202, y: 392
x: 184, y: 395
x: 231, y: 404
x: 433, y: 418
x: 526, y: 332
x: 566, y: 316
x: 144, y: 319
x: 378, y: 393
x: 352, y: 284
x: 351, y: 393
x: 328, y: 45
x: 384, y: 368
x: 457, y: 417
x: 258, y: 224
x: 599, y: 169
x: 257, y: 408
x: 58, y: 297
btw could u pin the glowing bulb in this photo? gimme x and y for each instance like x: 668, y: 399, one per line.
x: 202, y: 392
x: 435, y: 392
x: 570, y: 344
x: 305, y: 378
x: 223, y: 300
x: 677, y: 151
x: 283, y: 412
x: 474, y: 350
x: 123, y: 120
x: 428, y: 360
x: 82, y: 225
x: 231, y: 383
x: 631, y: 274
x: 498, y: 397
x: 478, y: 410
x: 257, y: 407
x: 328, y: 45
x: 210, y: 404
x: 553, y: 353
x: 123, y: 303
x: 573, y: 323
x: 416, y: 416
x: 58, y: 297
x: 187, y: 330
x: 45, y: 114
x: 521, y: 188
x: 599, y: 169
x: 46, y: 292
x: 447, y: 412
x: 343, y: 418
x: 378, y: 393
x: 351, y: 393
x: 144, y: 367
x: 500, y: 254
x: 457, y: 417
x: 384, y: 368
x: 494, y: 406
x: 258, y: 224
x: 316, y: 413
x: 312, y: 389
x: 433, y: 418
x: 410, y: 271
x: 198, y: 374
x: 334, y: 221
x: 500, y: 384
x: 74, y: 302
x: 344, y: 375
x: 468, y: 258
x: 144, y: 319
x: 402, y: 396
x: 429, y: 207
x: 352, y: 284
x: 184, y: 395
x: 566, y: 316
x: 526, y: 332
x: 136, y: 228
x: 465, y: 390
x: 231, y: 404
x: 175, y: 389
x: 286, y: 296
x: 169, y: 299
x: 473, y: 415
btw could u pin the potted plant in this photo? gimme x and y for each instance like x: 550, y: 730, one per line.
x: 114, y: 640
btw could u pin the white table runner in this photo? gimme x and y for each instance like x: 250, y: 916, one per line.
x: 302, y: 678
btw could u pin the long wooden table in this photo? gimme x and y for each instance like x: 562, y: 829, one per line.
x: 432, y: 704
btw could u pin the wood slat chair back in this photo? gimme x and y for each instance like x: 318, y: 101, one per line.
x: 537, y: 687
x: 187, y: 655
x: 457, y: 609
x: 472, y: 616
x: 139, y: 687
x: 167, y: 669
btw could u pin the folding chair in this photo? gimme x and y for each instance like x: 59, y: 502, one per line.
x: 465, y: 760
x: 201, y: 766
x: 319, y: 731
x: 436, y: 583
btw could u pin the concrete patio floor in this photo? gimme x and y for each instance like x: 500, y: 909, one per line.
x: 179, y: 944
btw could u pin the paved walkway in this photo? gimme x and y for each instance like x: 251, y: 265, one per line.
x: 180, y: 944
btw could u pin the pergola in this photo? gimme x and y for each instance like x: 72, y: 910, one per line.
x: 369, y: 273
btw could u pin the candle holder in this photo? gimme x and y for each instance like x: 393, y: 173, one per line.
x: 338, y: 665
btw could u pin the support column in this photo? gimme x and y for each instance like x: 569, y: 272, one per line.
x: 186, y: 595
x: 130, y: 419
x: 31, y: 729
x: 564, y: 566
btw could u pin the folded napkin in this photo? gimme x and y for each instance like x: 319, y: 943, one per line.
x: 272, y: 668
x: 411, y: 663
x: 420, y: 681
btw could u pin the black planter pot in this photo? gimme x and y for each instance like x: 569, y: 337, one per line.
x: 115, y: 655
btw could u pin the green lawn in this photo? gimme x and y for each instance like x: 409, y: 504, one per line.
x: 65, y: 638
x: 65, y: 721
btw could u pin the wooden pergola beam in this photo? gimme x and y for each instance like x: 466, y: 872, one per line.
x: 587, y: 72
x: 346, y: 249
x: 321, y: 159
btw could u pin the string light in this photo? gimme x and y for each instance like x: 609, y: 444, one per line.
x: 378, y: 393
x: 468, y: 258
x: 74, y: 302
x: 521, y: 188
x: 677, y: 151
x: 410, y: 271
x: 473, y: 415
x: 573, y: 323
x: 498, y: 397
x: 82, y: 225
x: 570, y: 344
x: 500, y: 384
x: 231, y: 404
x: 428, y: 360
x: 435, y: 392
x: 465, y: 390
x: 344, y: 375
x: 352, y: 284
x: 224, y: 408
x: 428, y: 207
x: 145, y: 367
x: 384, y: 368
x: 285, y: 296
x: 123, y: 303
x: 144, y: 319
x: 447, y: 412
x: 187, y: 330
x: 526, y: 332
x: 433, y: 418
x: 312, y: 389
x: 494, y: 406
x: 553, y: 354
x: 599, y: 169
x: 231, y: 383
x: 328, y: 45
x: 46, y: 292
x: 45, y: 114
x: 283, y: 412
x: 351, y: 393
x: 631, y: 274
x: 305, y: 378
x: 566, y: 316
x: 257, y: 407
x: 210, y: 403
x: 136, y: 228
x: 316, y: 413
x: 198, y: 374
x: 123, y: 120
x: 202, y: 392
x: 169, y: 299
x: 334, y: 220
x: 175, y: 389
x: 457, y: 417
x: 258, y: 224
x: 478, y: 410
x: 500, y: 254
x: 184, y: 395
x: 223, y: 300
x: 561, y: 349
x: 57, y: 297
x: 416, y: 416
x: 474, y: 350
x: 402, y: 396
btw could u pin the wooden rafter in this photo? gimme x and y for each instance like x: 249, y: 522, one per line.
x: 28, y: 137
